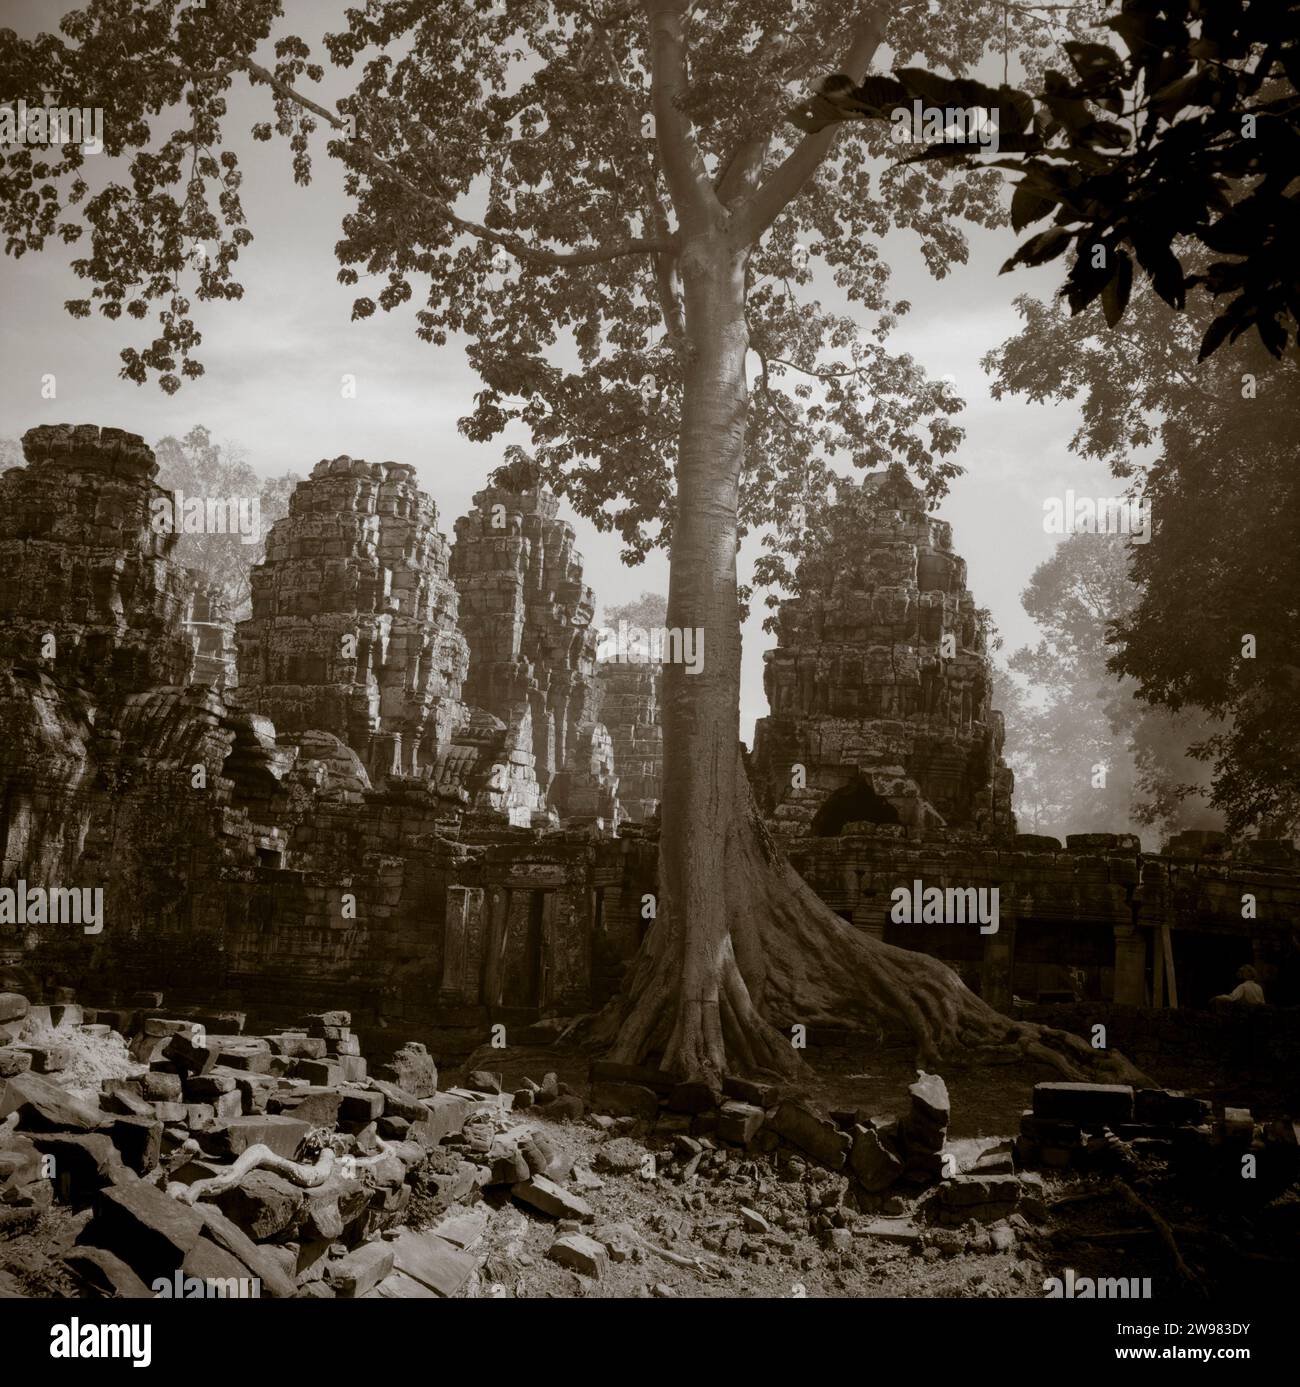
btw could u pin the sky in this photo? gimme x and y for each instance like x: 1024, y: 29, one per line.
x: 274, y: 361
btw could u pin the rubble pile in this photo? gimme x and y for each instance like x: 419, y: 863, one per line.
x: 1082, y: 1125
x: 276, y: 1162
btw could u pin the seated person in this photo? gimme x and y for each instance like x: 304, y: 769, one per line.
x: 1248, y: 992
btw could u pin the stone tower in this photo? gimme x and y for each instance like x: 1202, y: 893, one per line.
x: 354, y: 625
x: 92, y: 592
x: 629, y: 707
x: 879, y: 686
x: 527, y: 616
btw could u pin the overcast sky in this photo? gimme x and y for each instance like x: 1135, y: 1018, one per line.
x: 275, y: 359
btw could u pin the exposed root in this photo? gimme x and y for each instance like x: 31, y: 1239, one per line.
x: 787, y: 959
x: 307, y: 1175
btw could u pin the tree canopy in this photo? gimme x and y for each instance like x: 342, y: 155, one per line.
x: 1190, y: 134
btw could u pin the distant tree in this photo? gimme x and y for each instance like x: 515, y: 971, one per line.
x: 1087, y: 757
x: 648, y: 610
x: 198, y: 466
x: 11, y: 453
x: 1213, y: 448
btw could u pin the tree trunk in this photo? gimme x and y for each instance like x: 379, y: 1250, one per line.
x: 742, y: 948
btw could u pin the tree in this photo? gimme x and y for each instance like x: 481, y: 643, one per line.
x: 199, y: 467
x: 1088, y: 757
x: 1212, y: 448
x: 1192, y: 136
x: 648, y: 610
x: 618, y: 184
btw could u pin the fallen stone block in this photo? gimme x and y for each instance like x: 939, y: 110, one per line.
x: 147, y: 1229
x: 443, y: 1115
x: 432, y: 1261
x: 315, y: 1023
x: 398, y: 1102
x: 13, y: 1006
x: 262, y: 1204
x: 200, y: 1116
x: 160, y: 1087
x: 206, y: 1088
x: 483, y: 1081
x: 160, y: 1026
x: 873, y: 1160
x: 307, y: 1047
x: 13, y: 1060
x: 182, y: 1052
x: 280, y: 1132
x: 1087, y: 1104
x: 138, y: 1141
x: 260, y: 1262
x: 965, y: 1190
x: 1159, y: 1105
x: 106, y: 1274
x: 322, y: 1073
x: 83, y: 1164
x: 465, y: 1229
x: 568, y: 1107
x: 625, y: 1100
x: 694, y: 1097
x: 360, y: 1271
x: 398, y: 1286
x: 43, y: 1106
x: 361, y: 1106
x: 413, y: 1069
x: 890, y: 1230
x: 739, y: 1122
x: 813, y: 1135
x: 580, y: 1252
x: 746, y: 1091
x: 124, y: 1099
x: 929, y: 1096
x: 218, y: 1274
x: 47, y: 1059
x: 353, y: 1068
x: 549, y: 1198
x: 318, y: 1106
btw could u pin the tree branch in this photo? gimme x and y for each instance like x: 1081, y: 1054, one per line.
x: 803, y: 161
x: 683, y: 165
x: 669, y: 305
x: 438, y: 204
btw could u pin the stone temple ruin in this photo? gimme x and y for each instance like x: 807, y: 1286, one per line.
x: 405, y: 785
x: 404, y: 796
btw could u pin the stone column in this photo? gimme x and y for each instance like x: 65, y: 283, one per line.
x: 1130, y: 966
x: 997, y: 972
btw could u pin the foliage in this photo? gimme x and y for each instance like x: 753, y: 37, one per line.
x: 506, y: 158
x: 1193, y: 133
x: 1213, y: 447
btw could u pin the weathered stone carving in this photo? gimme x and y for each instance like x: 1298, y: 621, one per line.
x: 879, y: 685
